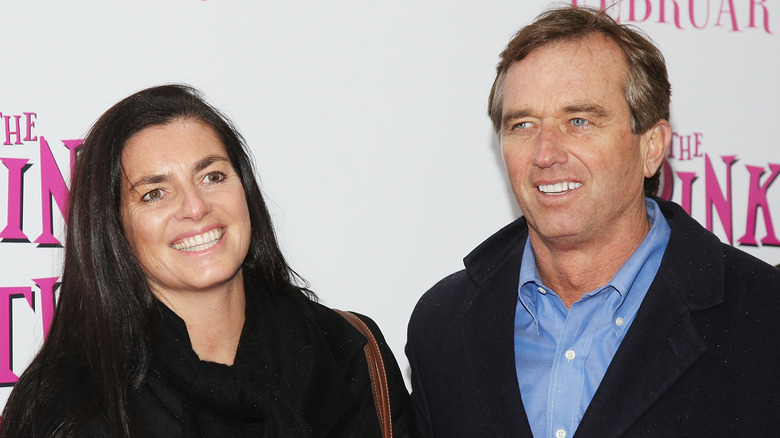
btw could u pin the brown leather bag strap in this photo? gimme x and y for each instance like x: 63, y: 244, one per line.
x: 376, y: 371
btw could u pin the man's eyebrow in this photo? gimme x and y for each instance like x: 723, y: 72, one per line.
x: 597, y: 110
x: 517, y: 114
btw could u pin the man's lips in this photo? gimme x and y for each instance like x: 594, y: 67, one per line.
x: 558, y: 188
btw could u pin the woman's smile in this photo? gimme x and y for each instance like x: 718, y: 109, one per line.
x: 182, y: 197
x: 199, y: 242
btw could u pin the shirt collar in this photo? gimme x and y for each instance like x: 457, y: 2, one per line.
x: 636, y: 274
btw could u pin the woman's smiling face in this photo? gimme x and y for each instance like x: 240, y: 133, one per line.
x: 184, y: 210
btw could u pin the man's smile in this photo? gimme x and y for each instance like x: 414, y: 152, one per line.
x: 558, y: 188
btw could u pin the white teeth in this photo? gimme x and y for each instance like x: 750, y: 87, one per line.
x: 559, y: 188
x: 199, y: 242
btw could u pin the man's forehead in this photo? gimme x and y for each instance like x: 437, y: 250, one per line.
x: 579, y: 76
x: 588, y: 44
x: 592, y: 61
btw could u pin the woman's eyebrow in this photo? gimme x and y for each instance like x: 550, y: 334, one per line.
x: 151, y: 179
x: 163, y: 177
x: 207, y: 161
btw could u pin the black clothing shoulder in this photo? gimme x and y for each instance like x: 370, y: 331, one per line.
x: 300, y: 370
x: 702, y: 357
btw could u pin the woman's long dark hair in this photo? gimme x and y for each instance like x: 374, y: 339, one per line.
x: 98, y: 348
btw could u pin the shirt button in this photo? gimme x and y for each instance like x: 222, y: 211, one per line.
x: 560, y: 433
x: 619, y: 321
x: 541, y: 290
x: 569, y: 355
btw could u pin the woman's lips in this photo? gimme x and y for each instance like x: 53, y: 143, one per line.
x: 200, y: 242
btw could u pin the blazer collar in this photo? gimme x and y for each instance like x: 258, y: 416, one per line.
x: 663, y: 341
x: 488, y: 329
x: 660, y: 346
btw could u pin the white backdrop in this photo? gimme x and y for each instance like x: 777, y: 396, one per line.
x: 368, y: 125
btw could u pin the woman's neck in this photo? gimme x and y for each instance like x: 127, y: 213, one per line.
x: 214, y: 320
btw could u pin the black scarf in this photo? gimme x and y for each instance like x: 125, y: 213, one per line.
x: 194, y: 398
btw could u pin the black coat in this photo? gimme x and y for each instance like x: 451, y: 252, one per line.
x: 300, y: 371
x: 702, y: 357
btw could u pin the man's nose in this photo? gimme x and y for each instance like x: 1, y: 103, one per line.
x: 550, y: 148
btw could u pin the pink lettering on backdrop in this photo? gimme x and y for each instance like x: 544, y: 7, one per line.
x: 603, y: 4
x: 15, y: 129
x: 686, y: 180
x: 757, y: 198
x: 72, y: 145
x: 632, y: 11
x: 13, y: 228
x: 686, y: 149
x: 9, y: 131
x: 53, y: 187
x: 700, y: 14
x: 730, y: 12
x: 714, y: 196
x: 47, y: 287
x: 7, y: 294
x: 668, y: 181
x: 662, y: 12
x: 754, y: 4
x: 30, y: 125
x: 692, y: 14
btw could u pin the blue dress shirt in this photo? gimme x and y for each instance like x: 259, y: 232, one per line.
x: 561, y: 354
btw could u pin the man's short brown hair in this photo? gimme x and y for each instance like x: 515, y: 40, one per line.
x: 647, y: 90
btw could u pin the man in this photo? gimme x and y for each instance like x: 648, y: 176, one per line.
x: 603, y: 311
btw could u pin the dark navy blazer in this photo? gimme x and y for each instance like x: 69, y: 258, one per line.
x: 702, y: 357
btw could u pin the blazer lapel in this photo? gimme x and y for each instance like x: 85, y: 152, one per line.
x: 660, y: 346
x: 663, y: 341
x: 488, y: 337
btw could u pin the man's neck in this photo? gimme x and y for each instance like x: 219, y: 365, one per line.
x: 573, y: 268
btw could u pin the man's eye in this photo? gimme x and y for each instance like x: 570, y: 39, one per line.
x: 579, y: 122
x: 152, y: 195
x: 214, y: 177
x: 523, y: 125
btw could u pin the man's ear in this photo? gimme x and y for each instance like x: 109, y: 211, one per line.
x: 655, y: 142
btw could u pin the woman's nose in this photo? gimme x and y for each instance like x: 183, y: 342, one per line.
x: 194, y: 205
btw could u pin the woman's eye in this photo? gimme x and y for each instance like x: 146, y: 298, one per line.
x: 579, y: 122
x: 214, y: 177
x: 152, y: 195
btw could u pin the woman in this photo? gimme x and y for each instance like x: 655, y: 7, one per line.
x: 177, y: 314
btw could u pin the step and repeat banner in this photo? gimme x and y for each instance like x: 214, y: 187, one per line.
x: 368, y: 125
